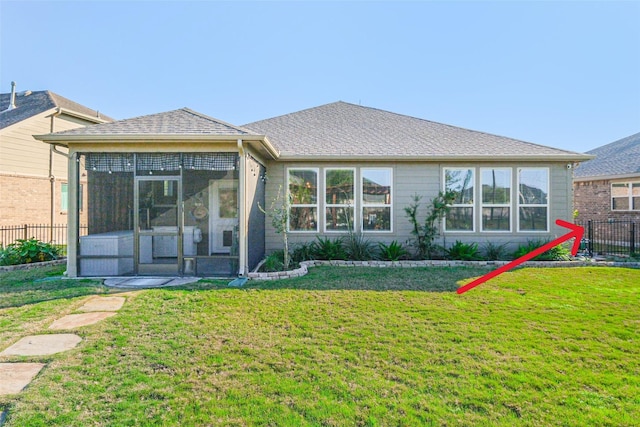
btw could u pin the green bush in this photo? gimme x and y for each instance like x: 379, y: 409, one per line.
x: 463, y: 251
x: 394, y: 251
x: 302, y: 252
x: 273, y: 262
x: 325, y: 248
x: 26, y: 251
x: 358, y: 248
x: 557, y: 253
x: 495, y: 252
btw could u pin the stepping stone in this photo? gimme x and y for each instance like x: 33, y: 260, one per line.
x: 73, y: 321
x: 14, y: 377
x: 103, y: 304
x: 42, y: 345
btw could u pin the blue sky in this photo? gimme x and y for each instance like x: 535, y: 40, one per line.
x: 564, y: 74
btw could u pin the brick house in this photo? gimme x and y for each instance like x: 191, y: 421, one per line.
x: 33, y: 175
x: 608, y: 187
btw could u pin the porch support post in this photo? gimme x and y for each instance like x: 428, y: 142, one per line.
x: 72, y: 217
x: 242, y: 215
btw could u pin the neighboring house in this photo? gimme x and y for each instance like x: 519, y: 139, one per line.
x: 33, y: 178
x: 180, y: 192
x: 608, y: 187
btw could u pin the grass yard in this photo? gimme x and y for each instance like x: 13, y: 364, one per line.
x: 349, y: 346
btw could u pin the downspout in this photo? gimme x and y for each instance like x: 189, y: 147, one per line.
x: 242, y: 214
x: 52, y: 177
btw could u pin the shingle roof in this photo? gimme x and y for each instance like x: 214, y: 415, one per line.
x: 177, y: 122
x: 620, y: 157
x: 346, y: 130
x: 28, y: 104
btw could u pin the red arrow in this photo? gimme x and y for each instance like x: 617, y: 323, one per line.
x: 576, y: 231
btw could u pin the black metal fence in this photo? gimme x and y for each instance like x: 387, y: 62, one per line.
x: 55, y: 234
x: 611, y: 237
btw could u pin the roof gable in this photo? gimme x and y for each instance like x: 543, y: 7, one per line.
x: 29, y: 104
x: 621, y: 157
x: 347, y: 130
x: 182, y: 122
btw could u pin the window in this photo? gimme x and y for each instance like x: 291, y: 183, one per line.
x: 339, y: 199
x: 533, y: 199
x: 376, y: 199
x: 625, y: 196
x: 303, y: 193
x: 496, y: 199
x: 460, y: 216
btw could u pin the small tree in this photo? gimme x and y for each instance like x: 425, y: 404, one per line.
x: 279, y: 214
x: 426, y: 233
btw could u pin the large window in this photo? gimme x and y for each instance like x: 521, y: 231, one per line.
x: 496, y: 199
x: 625, y: 196
x: 339, y: 199
x: 376, y: 199
x: 303, y: 193
x: 460, y: 216
x: 533, y: 199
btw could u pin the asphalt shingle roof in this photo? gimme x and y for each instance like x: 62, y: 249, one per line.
x: 177, y: 122
x: 348, y: 130
x: 33, y: 103
x: 620, y: 157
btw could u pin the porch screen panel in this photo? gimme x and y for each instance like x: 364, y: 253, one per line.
x: 210, y: 161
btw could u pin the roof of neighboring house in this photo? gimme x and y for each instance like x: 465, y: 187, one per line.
x: 180, y: 122
x: 344, y: 130
x: 617, y: 159
x: 29, y: 104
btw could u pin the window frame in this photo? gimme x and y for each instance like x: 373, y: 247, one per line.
x: 338, y: 205
x: 364, y: 205
x: 531, y: 205
x: 461, y: 205
x: 303, y: 205
x: 629, y: 196
x: 496, y: 205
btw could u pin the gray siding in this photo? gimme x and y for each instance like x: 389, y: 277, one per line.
x: 425, y: 179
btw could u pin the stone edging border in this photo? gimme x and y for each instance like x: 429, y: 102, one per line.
x: 32, y: 265
x: 304, y: 266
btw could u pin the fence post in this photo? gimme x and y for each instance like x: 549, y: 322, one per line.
x: 590, y: 238
x: 25, y: 231
x: 632, y: 242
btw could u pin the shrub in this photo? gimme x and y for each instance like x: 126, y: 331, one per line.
x: 325, y: 248
x: 394, y: 251
x: 273, y: 262
x: 26, y: 251
x: 425, y: 234
x: 302, y: 252
x: 557, y: 253
x: 495, y: 252
x: 358, y: 248
x: 463, y: 251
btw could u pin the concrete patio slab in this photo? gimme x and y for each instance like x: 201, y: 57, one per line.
x: 14, y: 377
x: 42, y: 345
x: 148, y: 282
x: 103, y: 304
x: 73, y: 321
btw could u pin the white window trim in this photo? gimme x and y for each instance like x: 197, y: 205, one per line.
x: 629, y: 196
x: 529, y: 205
x: 498, y: 205
x: 338, y: 205
x: 364, y: 205
x: 462, y: 205
x: 306, y: 205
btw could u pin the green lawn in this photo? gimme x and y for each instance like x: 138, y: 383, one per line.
x: 352, y: 346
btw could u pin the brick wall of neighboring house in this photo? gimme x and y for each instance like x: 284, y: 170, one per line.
x: 33, y: 195
x: 592, y: 200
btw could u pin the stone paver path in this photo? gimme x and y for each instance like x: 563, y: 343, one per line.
x: 72, y: 321
x: 42, y: 345
x: 103, y: 304
x: 16, y: 376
